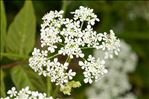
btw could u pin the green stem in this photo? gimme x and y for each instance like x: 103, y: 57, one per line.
x: 68, y: 59
x: 84, y: 59
x: 87, y: 48
x: 53, y: 56
x: 49, y: 86
x: 56, y: 92
x: 13, y: 55
x: 82, y: 24
x: 61, y: 44
x: 64, y: 6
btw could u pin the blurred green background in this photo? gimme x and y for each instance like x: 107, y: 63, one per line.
x: 128, y: 19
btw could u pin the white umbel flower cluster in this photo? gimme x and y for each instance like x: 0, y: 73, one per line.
x: 115, y: 84
x: 69, y: 37
x: 85, y: 14
x: 94, y: 69
x: 54, y: 69
x: 25, y: 93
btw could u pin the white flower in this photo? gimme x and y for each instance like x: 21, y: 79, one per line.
x: 12, y: 92
x: 71, y: 49
x: 38, y: 60
x: 25, y: 93
x: 115, y: 84
x: 52, y: 14
x: 69, y: 38
x: 57, y: 72
x: 85, y: 14
x: 110, y: 44
x: 93, y: 69
x: 71, y: 74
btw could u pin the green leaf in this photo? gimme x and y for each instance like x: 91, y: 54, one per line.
x: 2, y: 84
x: 3, y: 24
x: 21, y: 33
x: 23, y: 76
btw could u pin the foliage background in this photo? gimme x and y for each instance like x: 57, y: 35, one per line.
x: 129, y: 19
